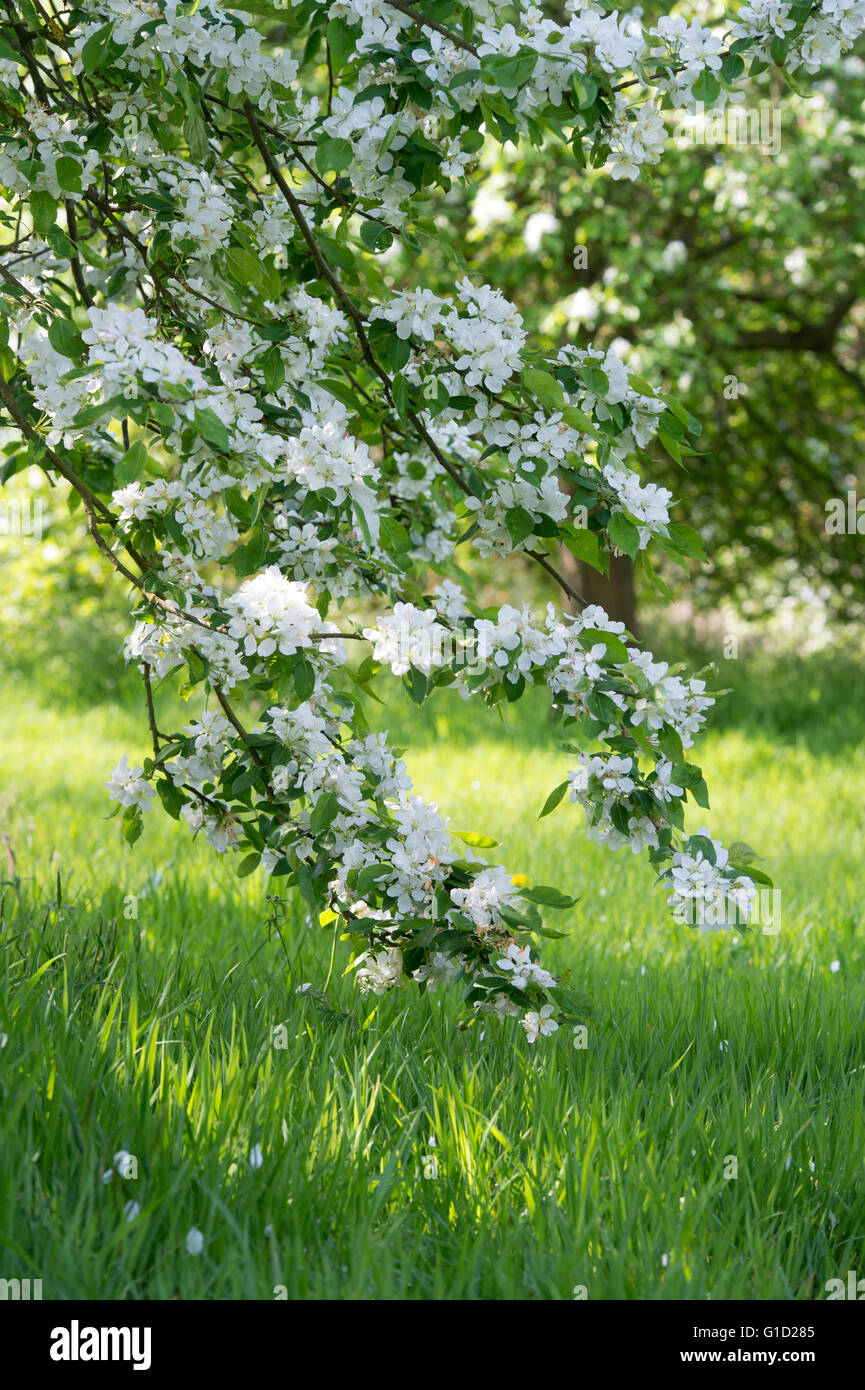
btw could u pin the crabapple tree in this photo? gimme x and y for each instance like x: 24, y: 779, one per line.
x: 265, y: 436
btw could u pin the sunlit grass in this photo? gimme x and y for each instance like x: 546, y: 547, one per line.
x: 163, y: 1034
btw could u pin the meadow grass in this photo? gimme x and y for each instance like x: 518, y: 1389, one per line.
x: 555, y: 1168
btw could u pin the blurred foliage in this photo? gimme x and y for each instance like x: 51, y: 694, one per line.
x: 63, y: 614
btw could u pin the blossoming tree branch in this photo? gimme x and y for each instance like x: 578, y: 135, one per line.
x: 200, y: 339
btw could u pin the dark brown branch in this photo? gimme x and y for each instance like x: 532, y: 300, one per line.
x: 425, y: 22
x: 151, y: 713
x: 77, y: 272
x: 63, y: 468
x: 810, y: 337
x: 237, y: 726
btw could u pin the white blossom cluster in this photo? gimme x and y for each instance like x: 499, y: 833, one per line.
x: 272, y: 614
x: 830, y: 29
x: 209, y: 37
x: 125, y: 350
x: 705, y: 877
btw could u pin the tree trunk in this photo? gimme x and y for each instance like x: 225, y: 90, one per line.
x: 614, y: 593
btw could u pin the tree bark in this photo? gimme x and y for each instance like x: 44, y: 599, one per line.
x: 615, y: 593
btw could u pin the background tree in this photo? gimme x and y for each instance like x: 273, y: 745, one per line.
x: 732, y: 275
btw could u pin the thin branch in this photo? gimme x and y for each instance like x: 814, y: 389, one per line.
x: 321, y: 264
x: 151, y: 713
x: 77, y: 272
x: 426, y: 23
x: 560, y: 579
x: 62, y: 468
x: 237, y: 726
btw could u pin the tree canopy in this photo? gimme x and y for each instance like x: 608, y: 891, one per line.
x: 206, y: 341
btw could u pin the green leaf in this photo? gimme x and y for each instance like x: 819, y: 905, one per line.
x: 374, y: 236
x: 212, y: 429
x: 757, y: 875
x: 245, y: 266
x: 304, y: 880
x: 544, y: 387
x: 249, y: 777
x: 689, y: 541
x: 779, y: 48
x: 471, y: 837
x: 195, y: 665
x: 700, y: 792
x: 645, y: 566
x: 640, y: 384
x: 624, y: 534
x: 68, y: 173
x: 416, y: 684
x: 341, y: 40
x: 369, y: 876
x: 96, y: 48
x: 701, y: 844
x: 554, y: 798
x: 304, y: 678
x: 401, y: 396
x: 597, y: 381
x: 170, y: 797
x: 326, y: 809
x: 248, y: 865
x: 740, y: 853
x: 684, y: 417
x: 586, y: 546
x: 507, y: 71
x: 195, y: 133
x: 8, y: 368
x: 616, y: 648
x: 272, y: 368
x: 547, y: 897
x: 132, y: 464
x: 393, y: 536
x: 131, y: 825
x: 670, y: 745
x: 602, y: 708
x: 732, y: 67
x: 671, y: 445
x: 706, y: 88
x: 397, y: 351
x: 519, y: 523
x: 579, y: 420
x: 60, y: 243
x: 585, y: 91
x: 65, y: 339
x: 44, y: 210
x: 332, y: 153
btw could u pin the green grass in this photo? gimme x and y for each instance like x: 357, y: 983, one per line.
x: 556, y: 1167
